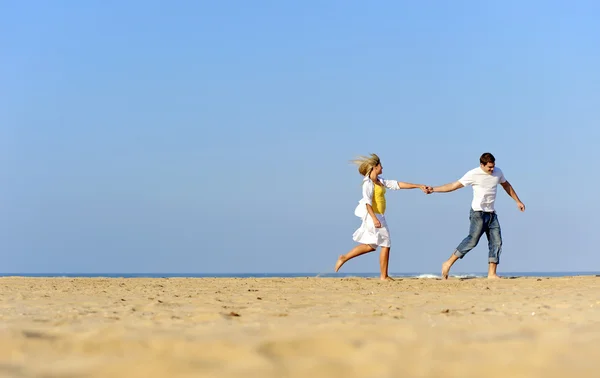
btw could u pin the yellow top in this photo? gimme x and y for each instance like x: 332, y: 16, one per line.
x: 378, y: 203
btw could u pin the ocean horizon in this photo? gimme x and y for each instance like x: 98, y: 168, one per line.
x: 299, y: 275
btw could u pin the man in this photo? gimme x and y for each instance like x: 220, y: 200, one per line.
x: 484, y: 180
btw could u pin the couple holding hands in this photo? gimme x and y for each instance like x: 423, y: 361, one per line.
x: 374, y: 232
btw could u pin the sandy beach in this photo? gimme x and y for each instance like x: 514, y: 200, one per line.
x: 299, y: 327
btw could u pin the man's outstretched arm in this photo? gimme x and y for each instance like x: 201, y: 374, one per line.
x: 511, y: 192
x: 448, y: 187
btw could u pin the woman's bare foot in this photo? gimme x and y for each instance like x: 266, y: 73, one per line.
x: 387, y: 278
x: 339, y: 263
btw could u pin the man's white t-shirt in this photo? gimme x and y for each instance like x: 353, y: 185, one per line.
x: 484, y: 187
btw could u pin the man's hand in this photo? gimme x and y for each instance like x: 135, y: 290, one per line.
x: 511, y: 192
x: 426, y: 189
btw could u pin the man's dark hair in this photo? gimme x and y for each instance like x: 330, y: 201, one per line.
x: 487, y: 158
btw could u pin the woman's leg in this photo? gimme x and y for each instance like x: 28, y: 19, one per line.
x: 384, y: 259
x: 354, y: 252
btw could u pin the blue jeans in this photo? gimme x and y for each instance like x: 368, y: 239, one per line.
x: 482, y: 222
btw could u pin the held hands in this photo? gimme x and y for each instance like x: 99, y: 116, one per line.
x: 426, y: 189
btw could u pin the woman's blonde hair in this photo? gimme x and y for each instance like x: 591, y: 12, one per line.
x: 366, y: 163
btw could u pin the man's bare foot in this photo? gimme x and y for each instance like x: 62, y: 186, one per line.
x: 388, y: 278
x: 445, y: 270
x: 493, y: 276
x: 339, y: 263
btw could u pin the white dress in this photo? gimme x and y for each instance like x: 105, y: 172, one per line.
x: 367, y: 233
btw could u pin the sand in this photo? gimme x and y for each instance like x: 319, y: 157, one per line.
x: 299, y: 327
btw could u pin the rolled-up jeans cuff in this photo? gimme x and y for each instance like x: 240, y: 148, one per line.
x: 458, y: 254
x: 493, y: 260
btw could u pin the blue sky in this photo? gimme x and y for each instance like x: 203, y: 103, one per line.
x: 207, y: 137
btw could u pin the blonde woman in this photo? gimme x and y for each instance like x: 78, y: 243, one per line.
x: 373, y: 231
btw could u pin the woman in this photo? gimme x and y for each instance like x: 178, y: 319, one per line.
x: 373, y: 231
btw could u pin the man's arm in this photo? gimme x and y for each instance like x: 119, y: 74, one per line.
x: 447, y: 188
x: 511, y: 192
